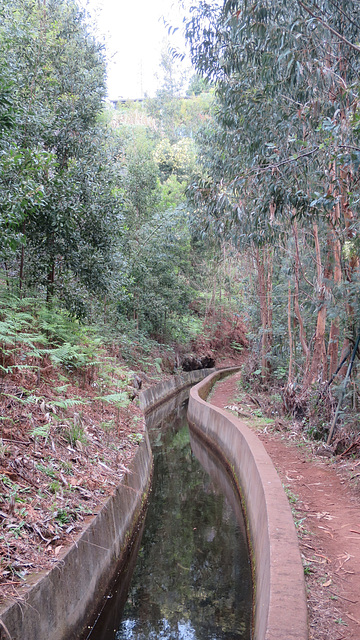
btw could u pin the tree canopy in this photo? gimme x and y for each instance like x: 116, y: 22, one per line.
x: 279, y: 171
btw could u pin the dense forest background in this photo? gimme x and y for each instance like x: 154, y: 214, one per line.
x: 86, y: 193
x: 171, y: 221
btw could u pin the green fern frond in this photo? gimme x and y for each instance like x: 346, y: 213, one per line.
x: 7, y: 334
x: 68, y: 355
x: 34, y: 399
x: 27, y: 400
x: 22, y: 367
x: 158, y: 363
x: 61, y: 389
x: 42, y: 431
x: 21, y: 400
x: 120, y: 399
x: 68, y: 402
x: 6, y: 370
x: 32, y: 338
x: 23, y: 319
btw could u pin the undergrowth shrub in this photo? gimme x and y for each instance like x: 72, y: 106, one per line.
x: 33, y: 334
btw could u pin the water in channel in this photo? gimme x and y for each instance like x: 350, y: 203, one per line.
x: 192, y: 579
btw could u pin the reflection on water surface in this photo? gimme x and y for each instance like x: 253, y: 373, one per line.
x: 192, y: 579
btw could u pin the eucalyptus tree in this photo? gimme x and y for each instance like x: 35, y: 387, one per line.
x: 286, y: 151
x: 165, y: 107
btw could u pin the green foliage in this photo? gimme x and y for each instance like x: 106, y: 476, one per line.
x: 172, y: 193
x: 72, y: 356
x: 158, y: 363
x: 41, y: 431
x: 67, y: 403
x: 48, y: 471
x: 156, y: 246
x: 281, y: 158
x: 120, y: 399
x: 62, y: 516
x: 6, y: 105
x: 175, y: 159
x: 33, y: 331
x: 92, y: 203
x: 74, y: 433
x: 136, y: 438
x: 59, y: 218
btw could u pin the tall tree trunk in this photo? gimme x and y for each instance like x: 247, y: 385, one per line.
x: 352, y: 263
x: 264, y: 266
x: 333, y: 347
x: 318, y: 365
x: 50, y: 283
x: 7, y: 275
x: 334, y: 243
x: 302, y: 333
x: 22, y: 261
x: 345, y: 188
x: 290, y: 373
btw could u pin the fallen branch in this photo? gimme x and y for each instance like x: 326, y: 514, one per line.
x: 343, y: 597
x: 354, y: 444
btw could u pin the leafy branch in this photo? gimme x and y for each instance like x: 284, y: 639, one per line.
x: 327, y: 26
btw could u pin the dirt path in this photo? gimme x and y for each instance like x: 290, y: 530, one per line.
x: 327, y: 515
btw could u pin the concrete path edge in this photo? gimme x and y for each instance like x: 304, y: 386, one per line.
x: 280, y: 609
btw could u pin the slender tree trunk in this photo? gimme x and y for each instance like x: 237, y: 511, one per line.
x: 50, y: 283
x: 211, y: 306
x: 290, y: 373
x: 334, y: 242
x: 345, y: 187
x: 302, y: 332
x: 136, y: 311
x: 334, y: 260
x: 7, y: 276
x: 269, y: 287
x: 352, y: 264
x: 264, y: 266
x: 318, y: 366
x: 105, y: 309
x: 22, y: 261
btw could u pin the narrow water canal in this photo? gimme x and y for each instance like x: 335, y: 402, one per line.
x: 192, y: 579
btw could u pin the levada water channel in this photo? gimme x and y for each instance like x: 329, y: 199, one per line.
x: 192, y: 576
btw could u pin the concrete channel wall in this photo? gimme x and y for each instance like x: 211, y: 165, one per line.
x: 58, y: 604
x: 280, y: 611
x: 153, y: 397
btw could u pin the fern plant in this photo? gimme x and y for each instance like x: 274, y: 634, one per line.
x: 67, y: 403
x: 41, y: 431
x: 73, y: 357
x: 120, y: 399
x: 74, y: 433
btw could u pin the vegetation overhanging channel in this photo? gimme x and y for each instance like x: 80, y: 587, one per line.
x: 215, y: 223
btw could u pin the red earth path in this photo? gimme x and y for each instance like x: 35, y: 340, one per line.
x: 326, y: 510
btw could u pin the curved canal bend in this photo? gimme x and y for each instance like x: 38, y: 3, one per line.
x: 192, y: 579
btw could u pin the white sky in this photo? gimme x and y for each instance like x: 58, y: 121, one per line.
x: 135, y: 35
